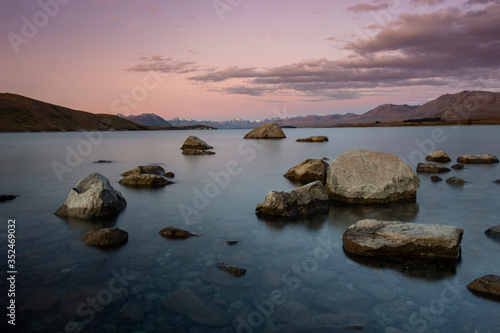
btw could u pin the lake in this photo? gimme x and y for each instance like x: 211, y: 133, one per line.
x: 295, y: 269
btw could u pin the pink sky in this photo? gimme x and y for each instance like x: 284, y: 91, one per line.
x: 226, y: 59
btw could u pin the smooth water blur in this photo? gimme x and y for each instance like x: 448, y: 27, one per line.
x: 294, y: 268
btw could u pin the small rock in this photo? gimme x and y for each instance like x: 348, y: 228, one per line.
x: 6, y: 197
x: 478, y: 159
x: 436, y: 178
x: 488, y: 285
x: 493, y: 231
x: 145, y: 170
x: 267, y: 131
x: 231, y: 242
x: 317, y: 138
x: 233, y: 270
x: 455, y: 181
x: 175, y: 233
x: 458, y: 166
x: 103, y: 161
x: 438, y: 156
x: 145, y: 180
x: 497, y: 181
x: 169, y: 175
x: 431, y: 168
x: 106, y: 237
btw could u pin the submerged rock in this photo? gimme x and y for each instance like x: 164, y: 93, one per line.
x: 267, y: 131
x: 6, y: 197
x: 169, y: 175
x: 458, y: 166
x: 193, y: 142
x: 477, y: 159
x: 306, y: 200
x: 145, y: 180
x: 394, y: 238
x: 93, y: 197
x: 436, y: 179
x: 176, y: 233
x: 488, y: 285
x: 493, y: 231
x: 317, y: 138
x: 438, y: 156
x: 233, y: 270
x: 335, y: 322
x: 106, y: 237
x: 497, y: 181
x: 145, y: 169
x: 455, y: 181
x: 308, y: 171
x: 431, y: 168
x: 365, y: 177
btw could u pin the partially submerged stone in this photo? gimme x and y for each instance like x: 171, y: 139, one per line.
x: 315, y: 138
x: 477, y: 159
x: 176, y: 233
x: 431, y: 168
x: 438, y: 156
x: 394, y: 238
x: 145, y: 169
x: 488, y: 285
x: 144, y: 180
x: 493, y: 231
x: 232, y: 270
x: 436, y: 179
x: 308, y: 171
x: 366, y: 177
x: 93, y: 197
x: 106, y: 237
x: 306, y: 200
x: 267, y: 131
x: 193, y: 142
x: 458, y: 166
x: 6, y: 197
x: 455, y: 181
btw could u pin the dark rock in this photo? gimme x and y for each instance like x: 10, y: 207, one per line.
x: 103, y: 161
x: 488, y: 285
x: 306, y: 200
x: 493, y: 231
x: 436, y: 179
x: 145, y: 170
x: 458, y: 166
x: 233, y: 270
x: 169, y: 175
x: 478, y: 159
x: 232, y: 242
x: 92, y: 198
x: 195, y: 143
x: 6, y: 197
x: 308, y: 171
x: 106, y: 237
x: 438, y: 156
x: 317, y: 138
x: 497, y: 181
x: 267, y: 131
x: 175, y: 233
x: 394, y: 238
x: 145, y: 180
x: 431, y: 168
x: 455, y: 181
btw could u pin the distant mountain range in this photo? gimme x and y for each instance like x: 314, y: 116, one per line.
x: 19, y: 113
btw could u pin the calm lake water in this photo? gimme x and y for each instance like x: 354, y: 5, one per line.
x: 295, y: 269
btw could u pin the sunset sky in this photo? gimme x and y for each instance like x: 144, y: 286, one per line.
x: 249, y: 59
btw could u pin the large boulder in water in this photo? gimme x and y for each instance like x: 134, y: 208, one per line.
x: 394, y: 238
x: 308, y: 171
x: 477, y: 159
x: 362, y: 176
x: 93, y: 197
x: 193, y: 142
x: 306, y: 200
x: 106, y: 237
x: 267, y: 131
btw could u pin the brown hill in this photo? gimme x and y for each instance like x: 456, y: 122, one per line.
x: 23, y: 114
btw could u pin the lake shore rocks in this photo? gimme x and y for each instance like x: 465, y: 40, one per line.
x: 394, y: 238
x: 308, y: 171
x: 315, y: 138
x: 477, y: 159
x: 145, y: 180
x: 145, y: 169
x: 455, y: 181
x: 93, y: 197
x: 438, y: 156
x: 106, y: 237
x: 431, y: 168
x: 488, y: 285
x: 196, y: 146
x: 176, y: 233
x: 361, y: 176
x: 267, y: 131
x: 306, y: 200
x: 493, y: 231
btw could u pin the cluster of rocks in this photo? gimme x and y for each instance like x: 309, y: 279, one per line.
x: 146, y: 175
x: 316, y: 138
x: 195, y: 146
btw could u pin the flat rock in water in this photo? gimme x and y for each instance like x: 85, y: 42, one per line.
x: 176, y: 233
x: 477, y: 159
x: 306, y: 200
x: 436, y: 179
x: 6, y: 197
x: 488, y: 285
x: 189, y: 305
x: 438, y: 156
x: 316, y: 138
x: 106, y: 237
x: 145, y: 180
x: 394, y: 238
x: 267, y: 131
x: 431, y: 168
x: 193, y: 142
x: 308, y: 171
x: 361, y: 176
x: 232, y: 270
x: 93, y: 197
x: 455, y: 181
x: 458, y: 166
x: 497, y: 181
x: 103, y: 161
x: 145, y: 169
x: 493, y: 231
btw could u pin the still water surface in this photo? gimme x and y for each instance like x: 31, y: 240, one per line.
x: 294, y: 269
